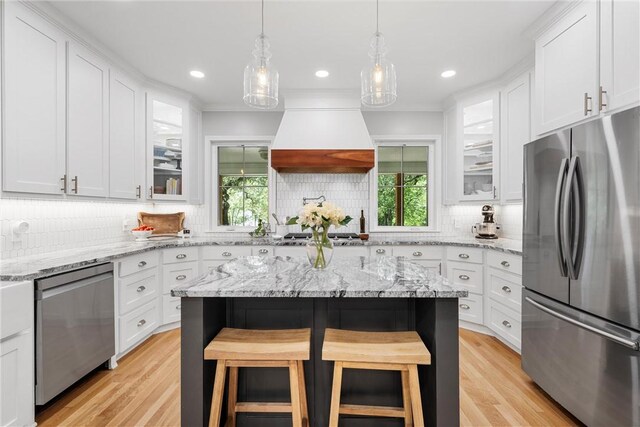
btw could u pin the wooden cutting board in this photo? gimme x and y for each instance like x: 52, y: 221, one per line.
x: 162, y: 223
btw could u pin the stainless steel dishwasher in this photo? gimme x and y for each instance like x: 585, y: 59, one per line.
x: 75, y: 327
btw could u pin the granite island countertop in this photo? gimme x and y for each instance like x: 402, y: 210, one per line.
x: 349, y: 277
x: 42, y: 265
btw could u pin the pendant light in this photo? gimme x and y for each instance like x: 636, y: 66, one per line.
x: 260, y: 78
x: 378, y: 79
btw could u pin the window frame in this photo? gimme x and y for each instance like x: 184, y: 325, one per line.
x: 433, y: 143
x: 212, y: 196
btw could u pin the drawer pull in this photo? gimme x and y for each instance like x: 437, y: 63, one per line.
x: 464, y: 306
x: 142, y: 322
x: 141, y: 289
x: 181, y: 256
x: 506, y: 289
x: 226, y: 254
x: 381, y: 251
x: 263, y: 251
x: 417, y: 253
x: 142, y: 263
x: 463, y: 277
x: 506, y: 323
x: 181, y: 277
x: 178, y: 307
x: 505, y: 264
x: 463, y: 256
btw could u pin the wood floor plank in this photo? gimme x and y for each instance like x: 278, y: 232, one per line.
x: 145, y: 389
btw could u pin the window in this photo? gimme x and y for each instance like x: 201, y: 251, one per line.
x: 404, y: 188
x: 242, y: 185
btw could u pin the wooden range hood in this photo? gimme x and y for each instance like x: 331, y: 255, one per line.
x: 322, y: 133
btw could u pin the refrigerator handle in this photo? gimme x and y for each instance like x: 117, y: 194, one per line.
x: 573, y: 245
x: 558, y: 232
x: 633, y: 345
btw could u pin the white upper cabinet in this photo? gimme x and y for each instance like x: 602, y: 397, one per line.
x: 478, y: 155
x: 196, y: 169
x: 87, y: 123
x: 567, y: 69
x: 124, y: 121
x: 34, y: 90
x: 619, y: 54
x: 516, y: 131
x: 451, y: 188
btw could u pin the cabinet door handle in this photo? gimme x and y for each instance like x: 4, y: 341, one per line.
x: 417, y: 253
x: 75, y: 184
x: 227, y: 254
x: 381, y: 251
x: 151, y: 192
x: 138, y: 191
x: 64, y: 183
x: 142, y: 263
x: 142, y: 322
x: 464, y: 306
x: 505, y: 264
x: 181, y: 256
x: 263, y: 251
x: 181, y: 277
x: 463, y: 277
x: 141, y: 289
x: 601, y: 103
x: 179, y: 306
x: 506, y: 323
x: 463, y: 256
x: 506, y: 289
x: 587, y: 102
x: 494, y: 192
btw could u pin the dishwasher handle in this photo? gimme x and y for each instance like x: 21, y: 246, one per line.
x: 48, y: 293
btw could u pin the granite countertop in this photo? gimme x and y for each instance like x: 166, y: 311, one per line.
x: 36, y: 266
x: 350, y: 277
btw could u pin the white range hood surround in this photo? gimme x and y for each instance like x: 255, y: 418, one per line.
x: 330, y: 127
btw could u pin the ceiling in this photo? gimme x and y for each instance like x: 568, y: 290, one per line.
x: 166, y: 39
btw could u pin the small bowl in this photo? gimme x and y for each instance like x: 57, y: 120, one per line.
x: 141, y: 234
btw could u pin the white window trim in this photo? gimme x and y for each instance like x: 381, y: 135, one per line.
x: 211, y: 190
x: 435, y: 170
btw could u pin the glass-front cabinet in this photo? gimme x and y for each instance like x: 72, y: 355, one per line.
x: 168, y: 145
x: 478, y: 148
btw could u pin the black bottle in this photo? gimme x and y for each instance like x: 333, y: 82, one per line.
x: 362, y: 224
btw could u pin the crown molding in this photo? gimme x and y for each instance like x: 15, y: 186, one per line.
x: 550, y: 17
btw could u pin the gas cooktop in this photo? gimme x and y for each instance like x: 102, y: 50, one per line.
x: 344, y: 236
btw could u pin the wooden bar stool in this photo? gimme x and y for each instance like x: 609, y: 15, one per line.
x: 387, y: 351
x: 245, y: 348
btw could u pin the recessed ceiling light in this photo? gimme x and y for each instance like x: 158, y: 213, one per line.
x: 197, y: 74
x: 448, y: 73
x: 322, y: 73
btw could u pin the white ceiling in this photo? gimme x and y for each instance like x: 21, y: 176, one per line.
x: 166, y: 39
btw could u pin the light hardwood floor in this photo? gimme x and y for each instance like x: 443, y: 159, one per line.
x: 144, y: 389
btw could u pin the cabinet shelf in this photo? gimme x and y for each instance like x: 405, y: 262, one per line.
x: 164, y: 147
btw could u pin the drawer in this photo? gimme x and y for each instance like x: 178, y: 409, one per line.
x: 137, y: 325
x: 465, y: 275
x: 462, y: 254
x: 225, y: 252
x: 175, y: 274
x: 505, y: 288
x: 170, y: 309
x: 16, y: 307
x: 380, y: 251
x: 470, y: 309
x: 505, y: 322
x: 138, y: 289
x: 419, y: 252
x: 505, y: 262
x: 347, y: 251
x: 175, y: 255
x: 262, y: 251
x: 136, y: 263
x: 291, y: 251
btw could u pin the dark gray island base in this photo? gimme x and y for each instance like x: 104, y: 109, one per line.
x: 381, y: 294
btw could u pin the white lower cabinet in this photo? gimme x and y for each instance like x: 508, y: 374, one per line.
x: 505, y: 322
x: 138, y: 325
x: 138, y: 289
x: 470, y: 309
x: 505, y: 288
x: 16, y: 354
x: 465, y: 275
x: 176, y: 274
x: 171, y: 309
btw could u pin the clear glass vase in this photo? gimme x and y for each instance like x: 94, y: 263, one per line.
x: 319, y: 249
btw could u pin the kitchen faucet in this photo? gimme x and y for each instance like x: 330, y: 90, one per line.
x: 306, y: 200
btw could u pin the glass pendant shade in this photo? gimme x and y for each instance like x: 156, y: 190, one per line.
x: 378, y: 78
x: 260, y: 78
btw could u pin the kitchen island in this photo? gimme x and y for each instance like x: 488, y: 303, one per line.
x: 359, y: 293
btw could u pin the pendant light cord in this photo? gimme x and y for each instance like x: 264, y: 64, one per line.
x: 262, y: 20
x: 377, y: 15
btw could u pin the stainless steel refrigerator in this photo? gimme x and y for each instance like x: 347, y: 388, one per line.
x: 581, y: 272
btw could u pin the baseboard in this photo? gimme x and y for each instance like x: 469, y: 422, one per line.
x: 481, y: 329
x: 167, y: 327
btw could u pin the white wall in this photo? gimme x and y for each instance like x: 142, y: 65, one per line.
x: 403, y: 122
